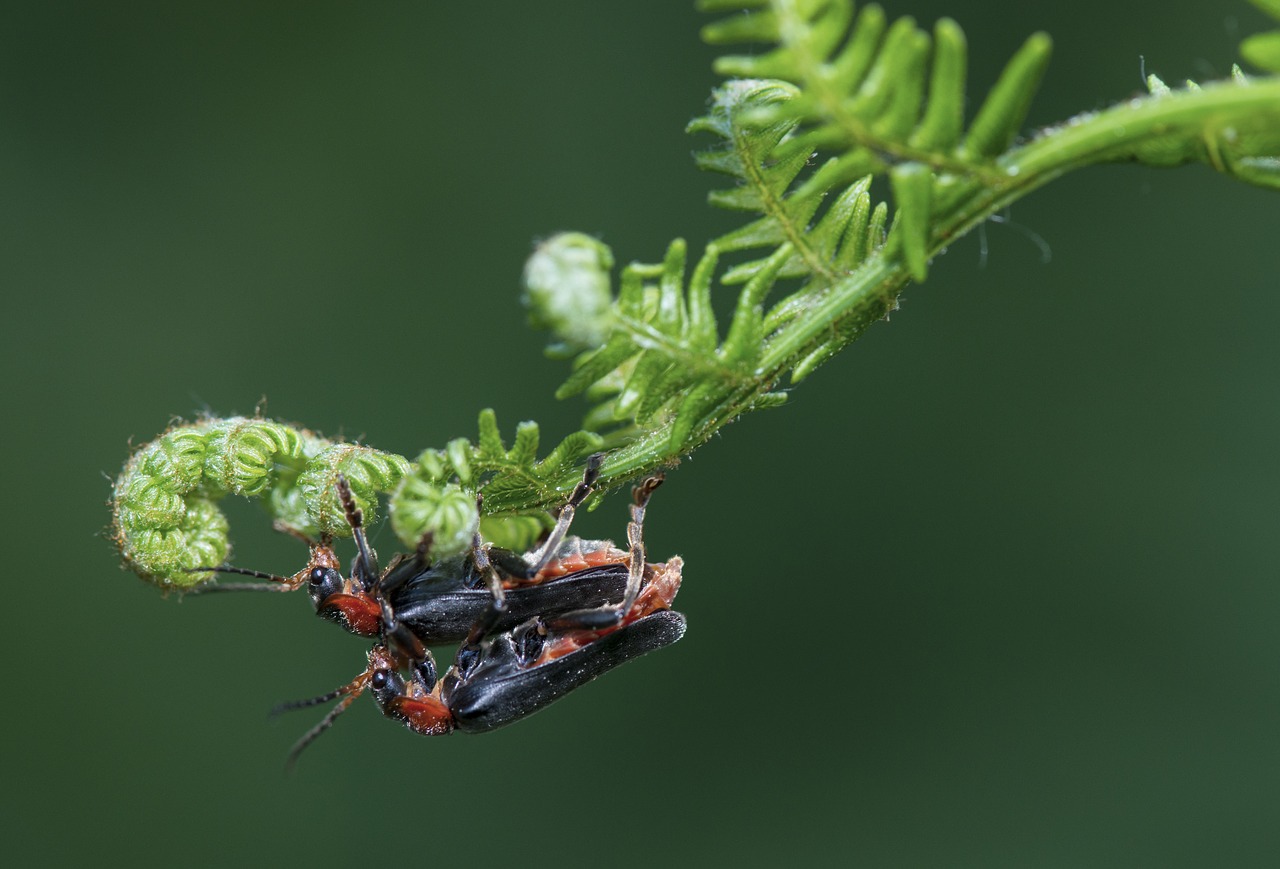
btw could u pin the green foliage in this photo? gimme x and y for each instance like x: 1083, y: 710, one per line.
x: 164, y: 513
x: 881, y: 98
x: 567, y: 291
x: 439, y: 494
x: 832, y: 102
x: 1263, y: 49
x: 166, y: 521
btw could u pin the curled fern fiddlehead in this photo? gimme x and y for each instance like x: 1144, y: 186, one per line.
x: 567, y: 292
x: 165, y: 517
x: 166, y: 520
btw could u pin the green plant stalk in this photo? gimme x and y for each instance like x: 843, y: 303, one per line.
x: 868, y: 293
x: 1109, y: 135
x: 673, y: 387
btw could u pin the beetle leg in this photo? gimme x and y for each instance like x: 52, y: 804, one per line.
x: 493, y: 563
x: 498, y: 597
x: 367, y: 564
x: 511, y: 565
x: 514, y: 566
x: 397, y: 574
x: 398, y: 635
x: 608, y: 616
x: 348, y: 692
x: 564, y: 518
x: 635, y: 538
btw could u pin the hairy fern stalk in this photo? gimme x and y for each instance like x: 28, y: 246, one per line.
x: 830, y: 98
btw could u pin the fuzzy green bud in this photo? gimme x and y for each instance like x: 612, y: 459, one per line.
x: 567, y: 291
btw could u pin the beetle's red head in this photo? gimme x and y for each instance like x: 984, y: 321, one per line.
x: 337, y: 598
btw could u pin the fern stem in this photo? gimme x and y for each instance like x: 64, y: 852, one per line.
x: 774, y: 205
x: 1188, y: 126
x: 1221, y: 107
x: 1198, y: 116
x: 880, y: 280
x: 692, y: 358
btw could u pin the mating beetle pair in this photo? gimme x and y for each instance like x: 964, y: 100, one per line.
x: 533, y: 627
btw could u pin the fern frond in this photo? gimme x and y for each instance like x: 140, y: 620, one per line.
x: 878, y: 94
x: 877, y: 98
x: 662, y: 368
x: 164, y: 505
x: 837, y: 101
x: 880, y: 98
x: 663, y: 340
x: 1263, y: 49
x: 439, y: 495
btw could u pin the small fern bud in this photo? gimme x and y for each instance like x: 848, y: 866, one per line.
x: 567, y: 290
x: 446, y: 510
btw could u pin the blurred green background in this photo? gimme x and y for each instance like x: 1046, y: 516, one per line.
x: 997, y: 588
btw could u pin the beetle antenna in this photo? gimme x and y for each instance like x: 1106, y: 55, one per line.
x: 352, y: 690
x: 238, y: 586
x: 292, y: 705
x: 314, y: 733
x: 278, y: 583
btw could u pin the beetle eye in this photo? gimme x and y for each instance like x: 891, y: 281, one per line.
x: 324, y: 582
x: 379, y: 679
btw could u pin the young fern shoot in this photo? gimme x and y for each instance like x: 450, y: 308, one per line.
x: 838, y: 97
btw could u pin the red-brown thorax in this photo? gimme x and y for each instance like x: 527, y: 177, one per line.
x: 357, y: 610
x: 424, y: 712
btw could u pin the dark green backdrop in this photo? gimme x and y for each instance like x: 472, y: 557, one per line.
x: 998, y: 588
